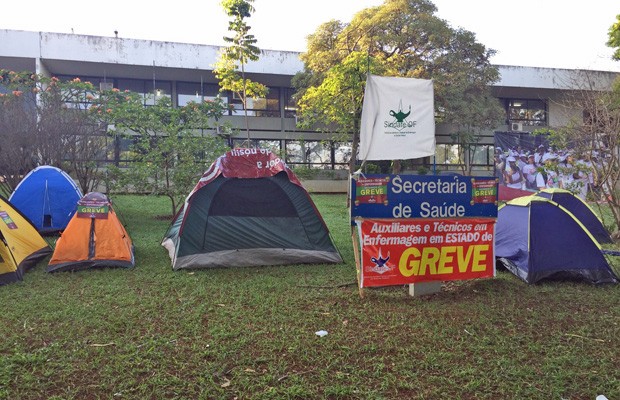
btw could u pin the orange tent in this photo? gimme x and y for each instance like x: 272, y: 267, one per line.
x: 93, y: 238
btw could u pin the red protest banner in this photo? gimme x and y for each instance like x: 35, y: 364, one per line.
x: 404, y: 251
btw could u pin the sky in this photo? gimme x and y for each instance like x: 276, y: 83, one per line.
x: 536, y: 33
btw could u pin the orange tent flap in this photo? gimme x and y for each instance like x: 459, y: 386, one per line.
x: 111, y: 240
x: 73, y: 243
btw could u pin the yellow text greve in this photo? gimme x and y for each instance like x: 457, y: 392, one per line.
x: 442, y: 261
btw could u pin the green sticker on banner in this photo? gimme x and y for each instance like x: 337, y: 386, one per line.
x: 98, y: 212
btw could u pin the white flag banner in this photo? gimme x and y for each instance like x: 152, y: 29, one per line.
x: 398, y: 119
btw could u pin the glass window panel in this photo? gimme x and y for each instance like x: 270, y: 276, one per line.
x: 152, y: 94
x: 188, y: 92
x: 126, y: 153
x: 314, y: 153
x: 342, y: 153
x: 111, y: 148
x: 446, y: 154
x: 527, y: 112
x: 256, y: 104
x: 82, y: 99
x: 195, y: 91
x: 268, y: 106
x: 482, y: 155
x: 133, y: 85
x: 533, y: 104
x: 273, y: 145
x: 290, y: 107
x: 294, y: 153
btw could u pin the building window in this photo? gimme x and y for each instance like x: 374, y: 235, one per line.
x: 124, y: 151
x: 153, y: 91
x: 290, y: 107
x: 84, y: 99
x: 132, y: 85
x: 146, y: 89
x: 482, y: 155
x: 342, y: 154
x: 273, y: 145
x: 447, y: 154
x: 196, y: 92
x: 314, y: 154
x: 268, y: 106
x: 526, y: 112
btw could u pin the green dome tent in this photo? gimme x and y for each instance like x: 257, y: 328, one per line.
x: 248, y: 209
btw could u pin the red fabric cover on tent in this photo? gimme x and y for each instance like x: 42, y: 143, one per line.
x: 246, y: 163
x: 506, y: 193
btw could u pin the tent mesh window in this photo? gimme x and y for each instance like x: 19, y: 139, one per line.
x: 252, y: 198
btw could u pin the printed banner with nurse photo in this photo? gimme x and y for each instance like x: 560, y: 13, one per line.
x: 406, y: 251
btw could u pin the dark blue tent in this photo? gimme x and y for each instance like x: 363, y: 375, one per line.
x: 536, y: 238
x: 48, y: 197
x: 580, y: 210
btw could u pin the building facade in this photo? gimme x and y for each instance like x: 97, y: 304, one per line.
x: 532, y: 97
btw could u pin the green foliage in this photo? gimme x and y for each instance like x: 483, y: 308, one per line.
x: 242, y: 46
x: 593, y: 136
x: 44, y: 121
x: 337, y: 99
x: 240, y: 50
x: 422, y: 170
x: 305, y: 173
x: 170, y: 146
x: 226, y: 71
x: 614, y: 38
x: 377, y: 167
x: 399, y: 38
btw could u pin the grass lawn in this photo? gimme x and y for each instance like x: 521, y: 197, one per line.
x: 249, y: 333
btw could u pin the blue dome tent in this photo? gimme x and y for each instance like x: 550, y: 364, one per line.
x: 581, y: 210
x: 537, y: 238
x: 48, y: 197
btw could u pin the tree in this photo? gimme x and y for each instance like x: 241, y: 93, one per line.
x: 241, y: 50
x: 171, y: 146
x: 593, y: 136
x: 399, y: 38
x: 614, y: 38
x: 335, y: 102
x: 44, y: 121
